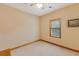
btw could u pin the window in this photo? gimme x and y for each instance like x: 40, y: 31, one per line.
x: 55, y: 28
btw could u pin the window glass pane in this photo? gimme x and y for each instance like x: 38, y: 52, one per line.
x: 55, y: 24
x: 55, y: 32
x: 55, y: 28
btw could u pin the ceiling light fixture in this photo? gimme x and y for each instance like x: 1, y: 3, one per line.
x: 39, y: 5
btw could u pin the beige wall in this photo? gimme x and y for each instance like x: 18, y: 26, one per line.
x: 17, y: 27
x: 69, y: 36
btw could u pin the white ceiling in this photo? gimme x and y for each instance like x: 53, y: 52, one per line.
x: 36, y: 11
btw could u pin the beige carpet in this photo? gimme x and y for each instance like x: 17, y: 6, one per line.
x: 41, y: 48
